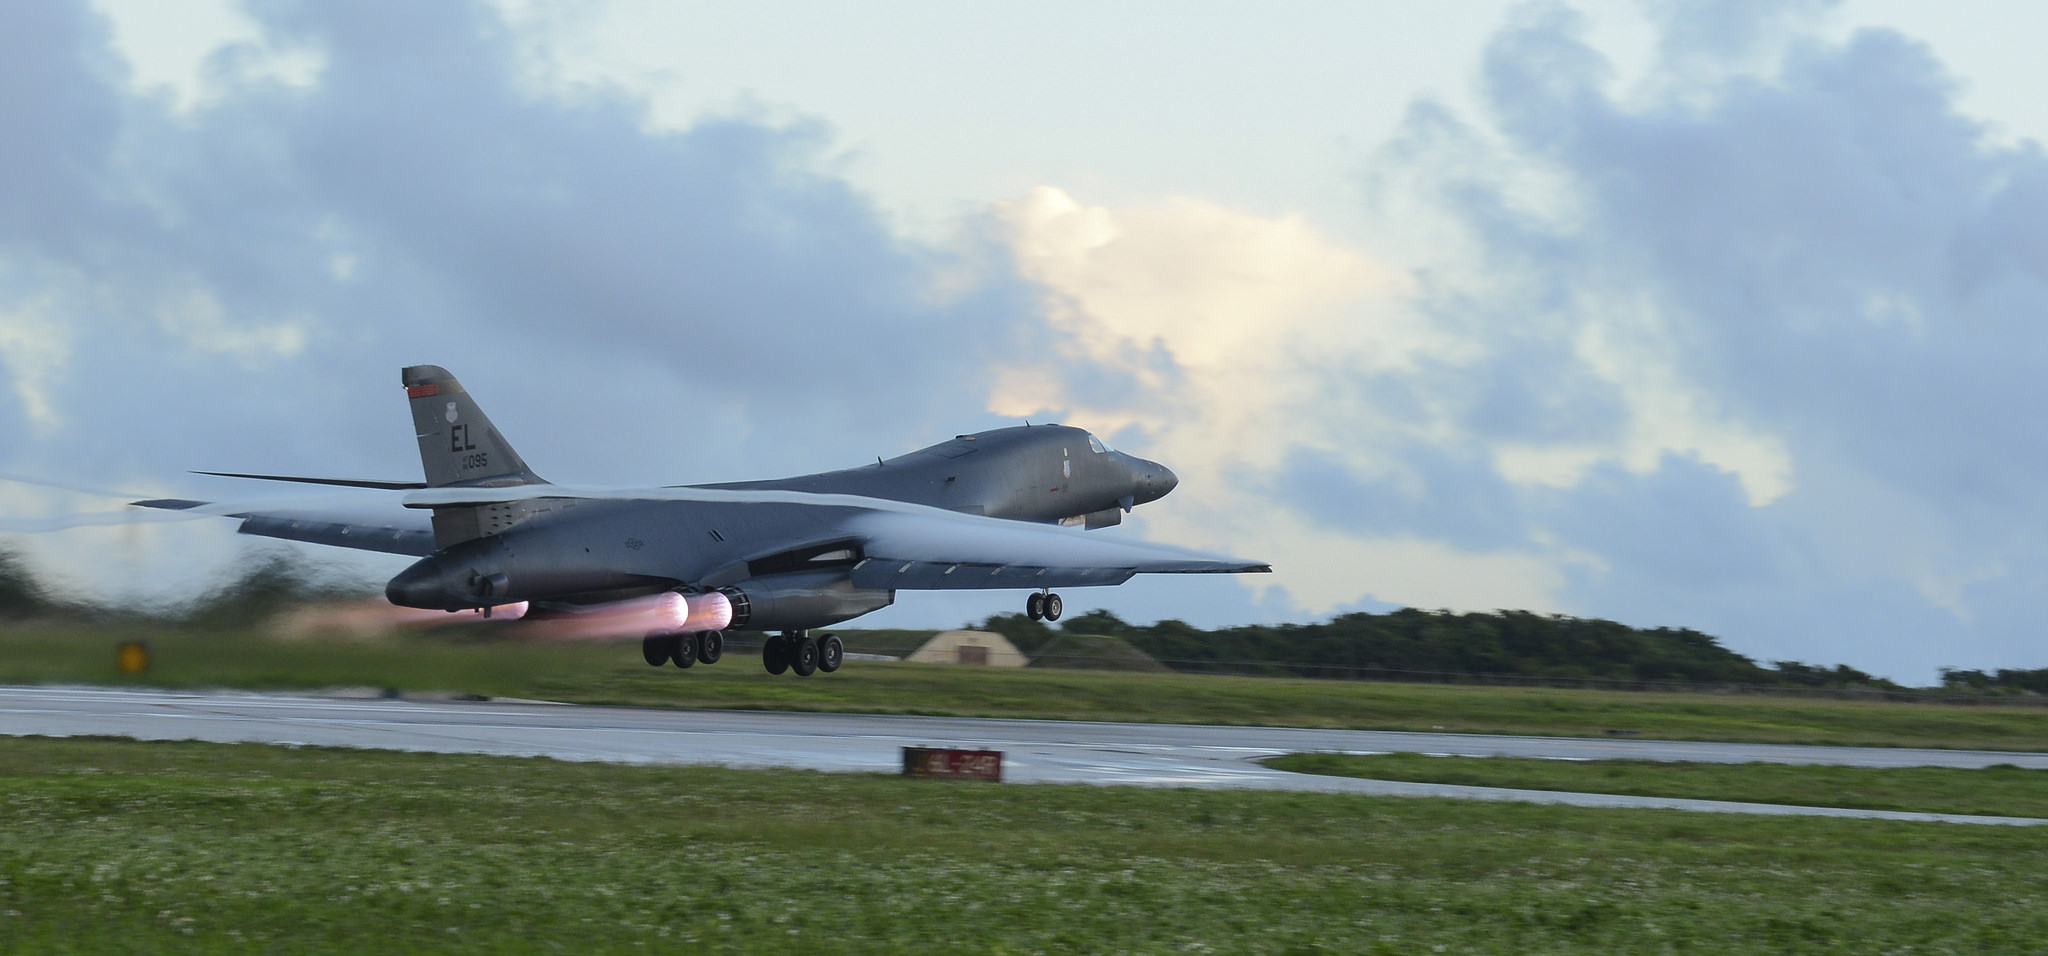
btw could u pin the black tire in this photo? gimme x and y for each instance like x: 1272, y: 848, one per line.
x: 685, y: 649
x: 1052, y: 607
x: 710, y: 647
x: 774, y: 655
x: 654, y: 647
x: 1034, y: 606
x: 803, y: 659
x: 831, y: 653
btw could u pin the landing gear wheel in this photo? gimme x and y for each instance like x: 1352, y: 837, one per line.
x: 775, y: 654
x: 1034, y: 606
x: 684, y: 649
x: 804, y: 659
x: 831, y: 653
x: 710, y: 647
x: 1052, y: 607
x: 654, y: 647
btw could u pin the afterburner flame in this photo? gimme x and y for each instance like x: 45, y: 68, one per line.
x: 634, y: 617
x: 373, y: 615
x: 709, y: 612
x: 510, y: 612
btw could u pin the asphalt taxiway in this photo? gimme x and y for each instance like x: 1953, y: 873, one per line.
x: 1034, y: 751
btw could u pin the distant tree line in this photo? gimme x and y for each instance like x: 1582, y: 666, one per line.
x: 265, y: 585
x: 21, y: 594
x: 1999, y: 681
x: 1412, y: 644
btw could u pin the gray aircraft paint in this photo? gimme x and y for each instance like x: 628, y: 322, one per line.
x: 974, y: 512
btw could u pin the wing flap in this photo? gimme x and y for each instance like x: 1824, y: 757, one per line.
x: 945, y: 576
x: 390, y: 530
x: 361, y: 536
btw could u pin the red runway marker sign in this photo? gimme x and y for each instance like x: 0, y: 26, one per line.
x: 947, y: 762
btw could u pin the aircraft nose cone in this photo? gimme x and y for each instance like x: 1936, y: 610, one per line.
x: 1154, y: 480
x: 418, y: 586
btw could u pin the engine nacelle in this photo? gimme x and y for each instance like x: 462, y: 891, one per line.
x: 487, y: 572
x: 801, y: 599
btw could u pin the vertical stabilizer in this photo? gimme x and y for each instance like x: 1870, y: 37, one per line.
x: 458, y: 443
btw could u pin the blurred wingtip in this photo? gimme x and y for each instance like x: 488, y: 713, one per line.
x: 168, y: 504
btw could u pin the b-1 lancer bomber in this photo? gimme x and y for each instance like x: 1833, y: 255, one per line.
x: 995, y: 509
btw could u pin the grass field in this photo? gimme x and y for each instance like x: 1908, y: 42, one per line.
x: 463, y: 662
x: 114, y: 846
x: 1992, y: 791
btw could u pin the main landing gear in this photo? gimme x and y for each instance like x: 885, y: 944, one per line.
x: 800, y: 652
x: 684, y: 648
x: 1045, y: 606
x: 788, y: 651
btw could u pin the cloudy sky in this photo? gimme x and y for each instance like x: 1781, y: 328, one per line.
x: 1727, y: 315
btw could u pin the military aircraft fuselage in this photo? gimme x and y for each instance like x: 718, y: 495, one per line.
x: 1043, y: 473
x: 680, y: 565
x: 778, y: 557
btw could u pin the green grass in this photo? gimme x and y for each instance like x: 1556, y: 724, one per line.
x: 894, y: 642
x: 115, y: 846
x: 1992, y: 791
x: 468, y: 662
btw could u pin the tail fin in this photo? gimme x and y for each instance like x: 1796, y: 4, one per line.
x: 458, y: 443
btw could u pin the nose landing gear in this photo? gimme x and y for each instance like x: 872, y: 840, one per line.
x: 1045, y: 606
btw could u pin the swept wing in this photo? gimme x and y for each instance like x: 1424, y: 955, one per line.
x: 903, y: 546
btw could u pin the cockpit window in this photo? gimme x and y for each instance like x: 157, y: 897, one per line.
x: 1095, y: 445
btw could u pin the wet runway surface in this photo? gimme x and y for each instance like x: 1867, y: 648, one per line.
x: 1034, y: 751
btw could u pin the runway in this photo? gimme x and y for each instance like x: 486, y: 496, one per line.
x: 1034, y: 751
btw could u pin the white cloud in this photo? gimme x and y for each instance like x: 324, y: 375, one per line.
x: 36, y: 349
x: 176, y: 47
x: 1665, y: 414
x: 252, y: 270
x: 1231, y: 344
x: 1220, y: 341
x: 1210, y: 311
x: 1787, y: 259
x: 194, y: 317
